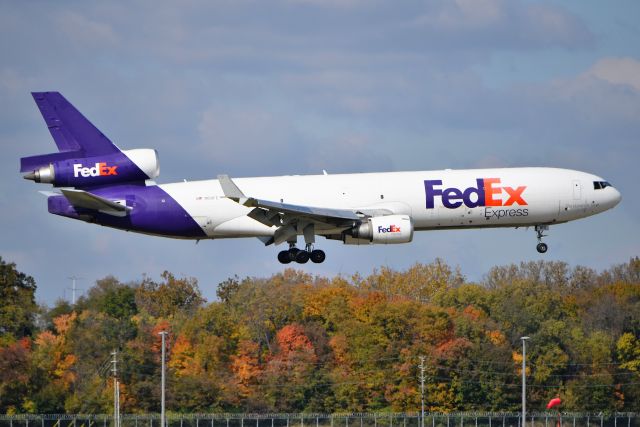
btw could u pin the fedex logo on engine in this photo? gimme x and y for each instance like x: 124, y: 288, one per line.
x: 389, y: 229
x: 100, y: 169
x: 487, y: 192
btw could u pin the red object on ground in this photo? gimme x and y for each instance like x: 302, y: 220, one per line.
x: 554, y: 402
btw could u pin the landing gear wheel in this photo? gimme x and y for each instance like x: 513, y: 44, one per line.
x: 293, y: 251
x: 541, y: 247
x: 302, y: 257
x: 284, y: 257
x: 318, y: 256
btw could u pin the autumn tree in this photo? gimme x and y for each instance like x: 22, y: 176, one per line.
x: 53, y: 366
x: 295, y: 342
x: 420, y: 282
x: 14, y: 376
x: 288, y: 377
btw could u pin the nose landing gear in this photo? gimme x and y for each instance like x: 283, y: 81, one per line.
x: 540, y: 229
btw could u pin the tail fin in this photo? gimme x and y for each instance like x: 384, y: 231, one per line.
x: 74, y: 135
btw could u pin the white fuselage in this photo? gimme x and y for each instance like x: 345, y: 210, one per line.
x: 100, y: 183
x: 463, y: 199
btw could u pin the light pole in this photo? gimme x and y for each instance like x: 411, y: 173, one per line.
x: 163, y: 421
x: 422, y: 390
x: 524, y: 380
x: 116, y: 394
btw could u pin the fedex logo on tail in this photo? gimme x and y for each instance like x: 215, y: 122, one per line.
x: 487, y: 192
x: 100, y: 169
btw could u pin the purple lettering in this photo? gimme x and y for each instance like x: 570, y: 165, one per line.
x: 431, y: 192
x: 479, y: 192
x: 449, y: 196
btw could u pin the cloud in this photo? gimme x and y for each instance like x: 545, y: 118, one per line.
x: 341, y: 4
x: 460, y: 15
x: 86, y: 32
x: 243, y: 137
x: 600, y: 102
x: 618, y: 71
x: 11, y: 81
x: 502, y: 24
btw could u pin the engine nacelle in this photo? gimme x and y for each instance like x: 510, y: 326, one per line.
x: 381, y: 230
x: 126, y: 166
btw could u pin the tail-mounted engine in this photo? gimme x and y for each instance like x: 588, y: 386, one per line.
x: 381, y: 230
x: 119, y: 167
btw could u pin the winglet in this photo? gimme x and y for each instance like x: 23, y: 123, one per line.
x: 231, y: 190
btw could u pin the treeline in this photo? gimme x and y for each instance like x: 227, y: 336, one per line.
x: 294, y: 342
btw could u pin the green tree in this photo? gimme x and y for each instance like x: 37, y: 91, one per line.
x: 17, y: 303
x: 169, y: 297
x: 111, y: 297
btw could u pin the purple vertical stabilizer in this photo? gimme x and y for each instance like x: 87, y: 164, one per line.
x: 75, y: 136
x: 87, y: 158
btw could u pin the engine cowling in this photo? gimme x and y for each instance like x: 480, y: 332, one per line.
x: 388, y: 229
x: 126, y: 166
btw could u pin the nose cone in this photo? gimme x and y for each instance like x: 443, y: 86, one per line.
x: 615, y: 197
x: 612, y: 197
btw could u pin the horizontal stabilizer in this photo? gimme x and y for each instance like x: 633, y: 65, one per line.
x: 32, y: 163
x: 86, y: 200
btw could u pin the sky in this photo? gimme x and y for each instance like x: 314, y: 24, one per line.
x: 257, y: 88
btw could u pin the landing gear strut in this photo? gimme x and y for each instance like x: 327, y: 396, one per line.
x: 541, y: 247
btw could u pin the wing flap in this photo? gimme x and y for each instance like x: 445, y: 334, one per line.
x: 86, y: 200
x: 327, y: 215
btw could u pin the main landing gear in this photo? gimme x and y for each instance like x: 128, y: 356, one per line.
x: 541, y: 247
x: 301, y: 256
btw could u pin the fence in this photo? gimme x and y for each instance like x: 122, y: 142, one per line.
x: 469, y: 419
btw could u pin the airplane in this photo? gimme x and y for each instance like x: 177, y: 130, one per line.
x: 99, y: 183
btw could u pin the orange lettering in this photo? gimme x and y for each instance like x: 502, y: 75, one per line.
x: 489, y: 191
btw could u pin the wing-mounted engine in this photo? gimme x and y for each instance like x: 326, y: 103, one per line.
x: 387, y: 229
x: 114, y: 168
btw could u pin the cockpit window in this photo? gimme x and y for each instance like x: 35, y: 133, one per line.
x: 599, y: 185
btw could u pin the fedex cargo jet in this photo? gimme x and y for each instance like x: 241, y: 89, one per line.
x: 98, y: 182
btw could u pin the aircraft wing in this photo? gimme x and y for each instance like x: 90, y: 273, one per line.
x: 283, y: 215
x: 327, y: 215
x: 86, y: 200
